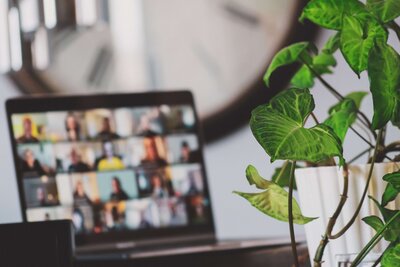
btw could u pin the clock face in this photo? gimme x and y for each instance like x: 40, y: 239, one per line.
x: 218, y: 49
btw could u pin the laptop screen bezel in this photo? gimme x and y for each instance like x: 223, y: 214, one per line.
x: 47, y: 103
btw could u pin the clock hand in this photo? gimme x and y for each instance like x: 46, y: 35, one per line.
x: 100, y: 65
x: 242, y: 15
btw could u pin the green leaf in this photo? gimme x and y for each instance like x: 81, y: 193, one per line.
x: 393, y: 231
x: 386, y: 213
x: 303, y: 78
x: 329, y: 13
x: 384, y: 76
x: 279, y: 128
x: 357, y: 39
x: 377, y: 224
x: 391, y: 257
x: 385, y: 10
x: 332, y: 45
x: 374, y: 221
x: 324, y: 59
x: 283, y: 179
x: 394, y: 179
x: 357, y: 97
x: 254, y: 178
x: 274, y: 201
x: 392, y: 189
x: 389, y: 195
x: 286, y: 56
x: 342, y: 116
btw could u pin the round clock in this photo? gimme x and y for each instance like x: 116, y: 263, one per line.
x: 219, y: 49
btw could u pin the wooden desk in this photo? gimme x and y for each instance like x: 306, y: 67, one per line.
x: 275, y: 256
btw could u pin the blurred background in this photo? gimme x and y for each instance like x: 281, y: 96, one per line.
x: 219, y: 49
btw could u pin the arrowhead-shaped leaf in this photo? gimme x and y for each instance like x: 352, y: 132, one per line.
x: 279, y: 128
x: 254, y: 178
x: 342, y: 116
x: 389, y: 194
x: 321, y: 64
x: 273, y: 201
x: 377, y: 224
x: 393, y: 231
x: 356, y: 40
x: 332, y: 44
x: 374, y: 221
x: 384, y: 76
x: 391, y: 257
x: 329, y: 13
x: 394, y: 179
x: 392, y: 188
x: 385, y: 10
x: 303, y: 78
x: 286, y: 56
x: 357, y: 97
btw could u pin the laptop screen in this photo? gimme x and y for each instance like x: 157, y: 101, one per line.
x: 111, y: 168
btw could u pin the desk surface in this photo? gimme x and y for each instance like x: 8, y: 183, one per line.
x: 250, y: 256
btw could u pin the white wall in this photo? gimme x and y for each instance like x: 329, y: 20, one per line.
x: 9, y: 202
x: 226, y: 163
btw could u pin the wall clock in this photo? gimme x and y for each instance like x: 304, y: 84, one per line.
x: 217, y: 48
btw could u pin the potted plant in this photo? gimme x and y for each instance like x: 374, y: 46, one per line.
x: 362, y: 32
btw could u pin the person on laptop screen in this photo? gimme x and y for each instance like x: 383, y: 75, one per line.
x: 109, y: 160
x: 27, y: 136
x: 106, y: 133
x: 118, y: 193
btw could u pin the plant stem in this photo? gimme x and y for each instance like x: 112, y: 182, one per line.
x: 396, y: 28
x: 320, y: 251
x: 350, y: 223
x: 392, y: 147
x: 375, y: 239
x: 290, y: 209
x: 378, y: 260
x: 314, y: 118
x: 336, y: 93
x: 284, y: 166
x: 331, y: 223
x: 359, y: 155
x: 362, y: 137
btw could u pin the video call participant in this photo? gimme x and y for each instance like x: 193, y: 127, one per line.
x: 118, y: 193
x: 144, y: 223
x: 77, y: 165
x: 108, y: 160
x: 188, y: 155
x: 72, y: 127
x: 160, y: 187
x: 106, y: 133
x: 41, y: 197
x: 30, y: 165
x: 82, y: 207
x: 27, y: 136
x: 78, y: 220
x: 197, y: 210
x: 80, y: 196
x: 151, y: 157
x: 151, y: 122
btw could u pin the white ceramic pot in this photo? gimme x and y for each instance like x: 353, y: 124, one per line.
x: 319, y: 192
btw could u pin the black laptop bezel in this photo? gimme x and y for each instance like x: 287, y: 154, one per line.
x: 45, y: 103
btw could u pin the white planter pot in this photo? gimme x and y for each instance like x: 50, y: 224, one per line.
x: 319, y: 192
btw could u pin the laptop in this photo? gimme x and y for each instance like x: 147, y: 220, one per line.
x: 126, y: 169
